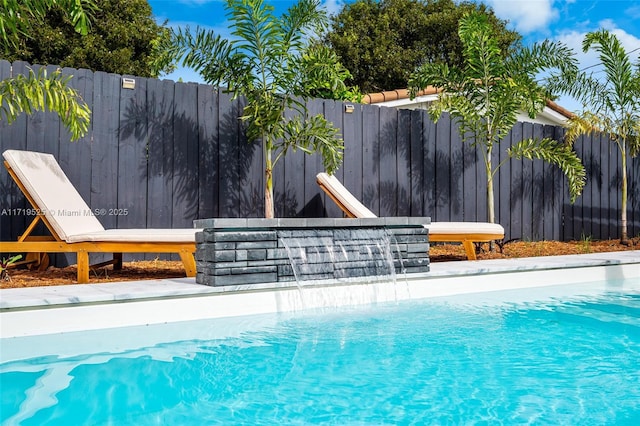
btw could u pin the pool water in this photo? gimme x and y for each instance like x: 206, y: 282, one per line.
x: 494, y: 358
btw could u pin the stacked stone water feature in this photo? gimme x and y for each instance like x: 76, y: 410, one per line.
x: 233, y: 252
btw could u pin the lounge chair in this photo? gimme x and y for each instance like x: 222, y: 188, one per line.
x: 73, y: 226
x: 466, y: 233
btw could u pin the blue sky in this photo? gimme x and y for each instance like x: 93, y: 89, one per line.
x: 536, y: 20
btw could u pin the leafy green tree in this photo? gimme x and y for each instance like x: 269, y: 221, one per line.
x: 267, y: 61
x: 42, y: 91
x: 382, y: 41
x: 611, y: 104
x: 489, y: 90
x: 122, y: 39
x: 18, y: 17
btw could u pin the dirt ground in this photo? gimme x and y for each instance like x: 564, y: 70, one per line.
x: 158, y: 269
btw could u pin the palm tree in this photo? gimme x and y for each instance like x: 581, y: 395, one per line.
x: 489, y: 90
x: 269, y: 61
x: 42, y: 91
x: 610, y: 105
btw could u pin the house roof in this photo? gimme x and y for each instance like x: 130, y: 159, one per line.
x: 403, y: 94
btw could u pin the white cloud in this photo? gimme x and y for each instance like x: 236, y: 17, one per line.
x: 633, y: 12
x: 526, y: 15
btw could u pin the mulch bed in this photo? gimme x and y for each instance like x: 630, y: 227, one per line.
x: 160, y: 269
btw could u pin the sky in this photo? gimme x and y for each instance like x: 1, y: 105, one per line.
x: 536, y: 20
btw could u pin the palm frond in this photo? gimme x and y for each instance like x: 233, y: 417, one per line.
x: 300, y: 17
x: 583, y: 87
x: 616, y: 62
x: 315, y: 134
x: 555, y: 153
x: 44, y: 92
x: 583, y: 124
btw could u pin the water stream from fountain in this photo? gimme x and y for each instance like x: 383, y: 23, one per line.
x: 360, y: 253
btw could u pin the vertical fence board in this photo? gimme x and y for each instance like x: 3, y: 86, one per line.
x: 185, y: 155
x: 456, y: 175
x: 312, y: 166
x: 600, y: 214
x: 160, y: 107
x: 208, y: 156
x: 293, y: 165
x: 370, y: 155
x: 250, y: 172
x: 429, y: 164
x: 36, y: 130
x: 470, y: 184
x: 604, y: 203
x: 387, y: 162
x: 57, y: 137
x: 333, y: 112
x: 527, y: 188
x: 403, y: 160
x: 353, y: 142
x: 593, y: 174
x: 416, y: 164
x: 228, y: 155
x: 575, y: 210
x: 537, y: 190
x: 132, y: 159
x: 612, y: 184
x: 546, y: 197
x: 442, y: 184
x: 105, y: 145
x: 516, y: 190
x: 285, y: 204
x: 502, y: 188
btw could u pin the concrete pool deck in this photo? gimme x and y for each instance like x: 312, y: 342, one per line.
x: 68, y: 308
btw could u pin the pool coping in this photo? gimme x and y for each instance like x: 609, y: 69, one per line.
x: 74, y: 294
x: 60, y: 309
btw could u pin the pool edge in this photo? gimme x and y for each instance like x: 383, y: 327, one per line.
x: 45, y: 310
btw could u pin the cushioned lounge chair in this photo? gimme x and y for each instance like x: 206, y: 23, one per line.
x: 73, y: 226
x: 466, y: 233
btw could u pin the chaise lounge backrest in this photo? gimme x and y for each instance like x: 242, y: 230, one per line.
x: 53, y: 193
x: 345, y: 200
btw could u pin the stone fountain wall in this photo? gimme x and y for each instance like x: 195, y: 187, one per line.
x: 232, y: 252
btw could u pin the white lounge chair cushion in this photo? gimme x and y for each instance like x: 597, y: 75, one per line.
x: 53, y: 193
x: 186, y: 235
x: 345, y: 197
x: 436, y: 228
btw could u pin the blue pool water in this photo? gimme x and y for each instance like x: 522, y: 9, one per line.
x: 494, y: 358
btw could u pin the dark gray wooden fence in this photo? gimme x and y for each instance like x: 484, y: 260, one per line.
x: 170, y: 153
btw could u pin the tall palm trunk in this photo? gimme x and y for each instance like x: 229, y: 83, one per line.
x: 624, y: 239
x: 269, y: 211
x: 491, y: 213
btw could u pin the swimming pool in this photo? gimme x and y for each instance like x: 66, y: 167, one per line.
x: 557, y: 355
